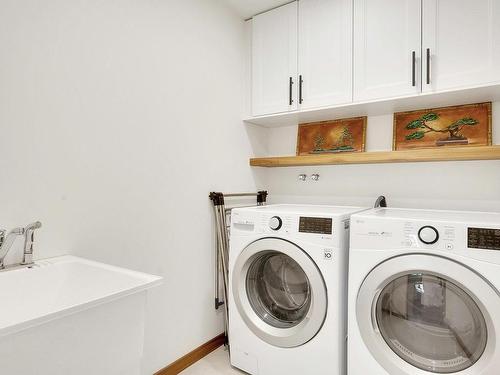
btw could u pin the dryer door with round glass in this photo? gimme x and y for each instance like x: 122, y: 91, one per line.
x: 421, y: 314
x: 279, y: 292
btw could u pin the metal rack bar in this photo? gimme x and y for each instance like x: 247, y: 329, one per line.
x: 240, y: 195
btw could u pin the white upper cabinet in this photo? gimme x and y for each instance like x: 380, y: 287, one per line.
x: 461, y: 43
x: 325, y: 52
x: 387, y: 48
x: 311, y: 54
x: 274, y: 61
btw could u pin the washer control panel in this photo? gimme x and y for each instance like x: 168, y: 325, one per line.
x: 428, y: 235
x: 483, y: 238
x: 318, y: 225
x: 379, y: 234
x: 275, y: 223
x: 478, y: 239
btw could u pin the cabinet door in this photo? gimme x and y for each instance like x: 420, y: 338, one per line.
x: 387, y: 48
x: 274, y: 61
x: 325, y: 52
x: 461, y: 43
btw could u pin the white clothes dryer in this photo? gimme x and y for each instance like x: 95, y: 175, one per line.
x: 288, y: 284
x: 424, y: 293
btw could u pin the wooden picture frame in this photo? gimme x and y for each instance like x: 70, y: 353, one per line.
x: 462, y: 125
x: 332, y: 136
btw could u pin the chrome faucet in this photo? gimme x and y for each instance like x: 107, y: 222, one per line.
x: 7, y: 241
x: 29, y: 238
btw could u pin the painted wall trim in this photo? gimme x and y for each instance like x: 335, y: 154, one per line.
x: 193, y: 356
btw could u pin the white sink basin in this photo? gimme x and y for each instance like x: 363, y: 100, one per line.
x: 73, y: 316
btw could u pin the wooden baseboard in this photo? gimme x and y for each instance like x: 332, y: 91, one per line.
x: 192, y: 357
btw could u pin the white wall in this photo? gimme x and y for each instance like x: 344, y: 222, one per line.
x: 470, y: 185
x: 118, y: 117
x: 116, y: 120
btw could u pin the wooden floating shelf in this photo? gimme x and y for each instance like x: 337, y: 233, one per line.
x: 406, y: 156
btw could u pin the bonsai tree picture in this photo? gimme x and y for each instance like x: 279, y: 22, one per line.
x: 459, y: 125
x: 332, y: 136
x: 345, y: 141
x: 346, y: 138
x: 424, y: 125
x: 319, y: 142
x: 342, y: 141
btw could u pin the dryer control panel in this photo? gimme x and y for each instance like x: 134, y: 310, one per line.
x: 483, y: 238
x: 318, y: 225
x: 318, y: 229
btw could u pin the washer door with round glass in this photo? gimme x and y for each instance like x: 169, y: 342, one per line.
x: 279, y: 292
x: 431, y: 319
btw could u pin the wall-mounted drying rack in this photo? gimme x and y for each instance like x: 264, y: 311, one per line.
x: 222, y: 220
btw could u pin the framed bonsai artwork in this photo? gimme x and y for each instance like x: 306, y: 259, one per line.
x: 464, y: 125
x: 333, y: 136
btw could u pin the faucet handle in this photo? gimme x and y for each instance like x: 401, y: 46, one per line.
x: 33, y: 226
x: 6, y: 243
x: 2, y: 235
x: 29, y: 238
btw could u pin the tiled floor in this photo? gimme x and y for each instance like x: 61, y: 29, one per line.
x: 216, y: 363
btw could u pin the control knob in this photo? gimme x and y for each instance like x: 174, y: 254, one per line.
x: 275, y: 223
x: 428, y: 235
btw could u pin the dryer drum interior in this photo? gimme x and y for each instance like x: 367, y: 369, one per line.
x: 278, y: 289
x: 421, y: 314
x: 431, y: 323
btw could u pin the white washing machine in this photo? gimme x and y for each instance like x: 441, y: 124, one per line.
x: 288, y: 284
x: 424, y: 293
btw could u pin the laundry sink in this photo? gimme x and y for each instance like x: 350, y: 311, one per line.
x: 69, y: 315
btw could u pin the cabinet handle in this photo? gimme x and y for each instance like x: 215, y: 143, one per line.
x: 428, y: 78
x: 301, y: 81
x: 290, y: 91
x: 413, y: 69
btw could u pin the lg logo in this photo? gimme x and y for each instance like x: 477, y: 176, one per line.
x: 328, y: 255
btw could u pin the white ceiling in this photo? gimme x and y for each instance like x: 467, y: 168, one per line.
x: 249, y: 8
